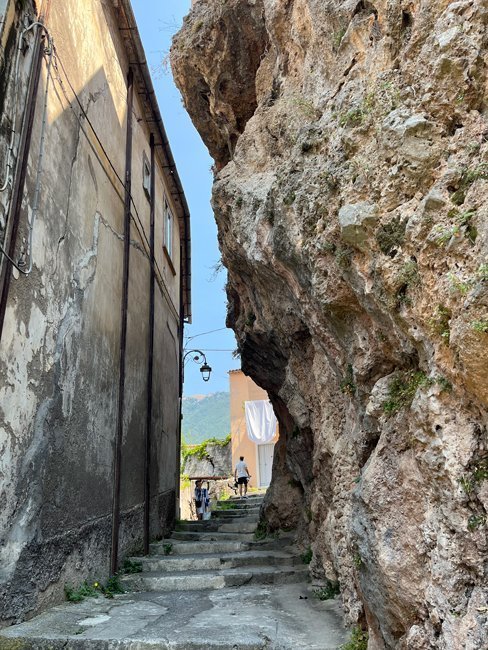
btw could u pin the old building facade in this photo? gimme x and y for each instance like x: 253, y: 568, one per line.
x: 258, y: 455
x: 94, y: 292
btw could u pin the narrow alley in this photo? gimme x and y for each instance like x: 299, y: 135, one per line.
x: 210, y: 585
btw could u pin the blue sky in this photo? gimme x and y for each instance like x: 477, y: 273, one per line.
x: 158, y: 20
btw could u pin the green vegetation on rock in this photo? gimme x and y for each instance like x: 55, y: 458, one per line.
x: 200, y: 451
x: 358, y: 640
x: 402, y: 390
x: 331, y: 590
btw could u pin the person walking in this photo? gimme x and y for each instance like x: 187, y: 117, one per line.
x: 242, y: 476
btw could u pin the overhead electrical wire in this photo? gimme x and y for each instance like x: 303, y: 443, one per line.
x: 194, y: 336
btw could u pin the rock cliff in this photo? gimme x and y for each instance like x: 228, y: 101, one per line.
x: 350, y: 141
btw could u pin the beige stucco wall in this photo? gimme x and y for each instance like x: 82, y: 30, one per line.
x: 243, y: 389
x: 59, y: 353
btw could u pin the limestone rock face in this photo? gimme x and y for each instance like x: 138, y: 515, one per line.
x: 351, y: 199
x: 216, y: 462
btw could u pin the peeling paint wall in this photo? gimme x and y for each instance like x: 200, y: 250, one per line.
x: 59, y: 353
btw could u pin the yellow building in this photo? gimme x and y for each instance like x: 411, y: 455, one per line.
x: 258, y: 456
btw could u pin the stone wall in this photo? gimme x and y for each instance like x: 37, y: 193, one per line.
x: 59, y: 353
x: 351, y: 149
x: 216, y: 461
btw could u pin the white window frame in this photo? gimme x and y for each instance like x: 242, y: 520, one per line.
x: 146, y: 175
x: 168, y: 230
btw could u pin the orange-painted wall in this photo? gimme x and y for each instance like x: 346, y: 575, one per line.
x: 243, y: 389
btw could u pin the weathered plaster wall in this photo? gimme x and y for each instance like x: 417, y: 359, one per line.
x: 59, y: 354
x: 350, y: 139
x: 243, y: 389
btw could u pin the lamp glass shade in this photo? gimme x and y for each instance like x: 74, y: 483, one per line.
x: 205, y: 370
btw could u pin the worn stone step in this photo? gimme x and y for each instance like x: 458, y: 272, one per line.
x: 245, y: 517
x: 179, y: 547
x: 215, y: 524
x: 215, y: 536
x: 214, y: 620
x: 238, y: 504
x: 217, y: 561
x: 258, y: 498
x: 201, y: 526
x: 244, y: 512
x: 193, y: 581
x: 240, y: 526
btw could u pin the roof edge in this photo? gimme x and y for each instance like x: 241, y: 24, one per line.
x: 172, y: 174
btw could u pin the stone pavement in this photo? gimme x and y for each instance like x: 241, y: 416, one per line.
x: 218, y: 588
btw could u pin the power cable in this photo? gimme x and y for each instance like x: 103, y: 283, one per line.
x: 194, y: 336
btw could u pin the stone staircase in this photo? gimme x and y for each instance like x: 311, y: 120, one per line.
x: 221, y: 552
x: 210, y: 586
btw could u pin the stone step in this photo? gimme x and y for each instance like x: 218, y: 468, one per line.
x: 216, y: 561
x: 216, y: 524
x: 241, y: 512
x: 237, y: 504
x: 179, y: 547
x: 192, y: 581
x: 238, y: 527
x: 198, y: 526
x: 223, y: 619
x: 249, y: 497
x: 210, y: 536
x: 243, y: 517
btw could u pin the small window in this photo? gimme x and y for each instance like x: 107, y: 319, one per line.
x: 168, y: 230
x: 146, y: 175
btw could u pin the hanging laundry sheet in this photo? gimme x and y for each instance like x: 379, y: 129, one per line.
x: 260, y: 420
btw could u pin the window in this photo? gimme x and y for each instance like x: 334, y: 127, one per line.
x: 146, y: 175
x: 168, y: 230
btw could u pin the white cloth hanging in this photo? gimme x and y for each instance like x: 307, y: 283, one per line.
x: 260, y: 421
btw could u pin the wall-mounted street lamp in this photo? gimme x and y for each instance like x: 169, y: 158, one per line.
x: 200, y: 359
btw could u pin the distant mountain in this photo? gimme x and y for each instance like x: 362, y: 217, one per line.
x: 205, y: 416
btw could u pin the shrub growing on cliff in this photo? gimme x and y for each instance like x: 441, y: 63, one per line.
x: 343, y: 256
x: 480, y: 326
x: 391, y: 235
x: 261, y: 530
x: 475, y: 521
x: 331, y: 590
x: 337, y: 37
x: 200, y: 451
x: 407, y: 278
x: 402, y: 390
x: 358, y: 640
x: 468, y: 177
x: 347, y: 385
x: 440, y: 321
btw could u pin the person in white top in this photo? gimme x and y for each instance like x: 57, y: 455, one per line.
x: 242, y: 476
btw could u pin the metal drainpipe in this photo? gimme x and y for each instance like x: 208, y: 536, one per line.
x: 123, y: 332
x: 21, y: 171
x: 180, y: 401
x: 147, y: 456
